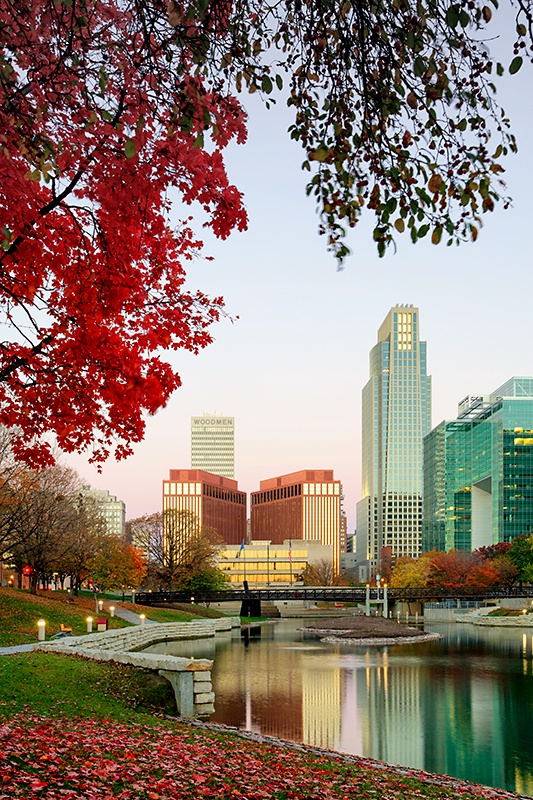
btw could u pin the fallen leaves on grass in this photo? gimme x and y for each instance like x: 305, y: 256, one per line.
x: 62, y: 759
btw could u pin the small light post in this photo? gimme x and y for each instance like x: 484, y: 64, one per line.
x: 192, y: 600
x: 100, y: 605
x: 41, y: 630
x: 89, y: 624
x: 112, y: 610
x: 142, y: 617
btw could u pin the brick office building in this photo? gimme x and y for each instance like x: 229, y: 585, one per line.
x: 303, y: 505
x: 214, y: 500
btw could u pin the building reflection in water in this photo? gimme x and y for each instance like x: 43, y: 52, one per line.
x: 461, y: 706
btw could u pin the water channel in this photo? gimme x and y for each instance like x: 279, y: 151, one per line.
x: 460, y: 706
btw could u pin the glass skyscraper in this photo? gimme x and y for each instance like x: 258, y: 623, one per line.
x: 396, y: 417
x: 478, y: 471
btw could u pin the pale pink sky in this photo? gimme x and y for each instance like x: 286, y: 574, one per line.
x: 292, y: 367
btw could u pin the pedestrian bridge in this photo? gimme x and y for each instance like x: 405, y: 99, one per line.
x: 333, y: 594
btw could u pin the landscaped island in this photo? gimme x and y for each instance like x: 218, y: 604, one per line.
x: 368, y: 630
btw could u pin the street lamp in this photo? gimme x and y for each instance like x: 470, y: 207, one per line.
x: 290, y: 560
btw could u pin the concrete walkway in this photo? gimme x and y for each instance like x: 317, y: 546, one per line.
x: 131, y: 616
x: 21, y: 648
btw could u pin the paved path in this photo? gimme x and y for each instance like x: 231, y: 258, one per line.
x: 21, y: 648
x: 131, y: 616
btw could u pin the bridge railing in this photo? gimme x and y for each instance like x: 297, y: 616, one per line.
x: 343, y: 594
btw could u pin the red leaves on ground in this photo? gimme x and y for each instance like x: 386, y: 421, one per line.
x: 101, y: 760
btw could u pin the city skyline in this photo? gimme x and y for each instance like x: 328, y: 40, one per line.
x: 291, y: 368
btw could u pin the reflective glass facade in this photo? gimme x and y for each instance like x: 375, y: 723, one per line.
x: 478, y: 472
x: 396, y: 417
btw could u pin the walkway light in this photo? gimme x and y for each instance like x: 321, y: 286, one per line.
x: 100, y: 605
x: 112, y: 610
x: 89, y: 624
x: 41, y: 630
x: 142, y: 617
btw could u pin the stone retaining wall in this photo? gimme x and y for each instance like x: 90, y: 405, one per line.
x: 525, y: 621
x: 190, y: 678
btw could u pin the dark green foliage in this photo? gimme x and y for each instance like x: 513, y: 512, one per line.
x: 394, y: 102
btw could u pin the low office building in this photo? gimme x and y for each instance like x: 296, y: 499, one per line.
x: 265, y: 563
x: 303, y: 505
x: 215, y: 501
x: 478, y: 471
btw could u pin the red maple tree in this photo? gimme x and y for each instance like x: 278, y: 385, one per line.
x: 101, y: 114
x: 107, y: 105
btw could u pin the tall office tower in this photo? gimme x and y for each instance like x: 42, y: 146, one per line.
x: 396, y: 417
x: 478, y: 471
x: 213, y: 444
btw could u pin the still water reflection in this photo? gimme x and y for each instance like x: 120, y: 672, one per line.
x: 461, y: 706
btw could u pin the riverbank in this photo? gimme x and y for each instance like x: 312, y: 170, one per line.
x: 164, y: 760
x: 361, y: 630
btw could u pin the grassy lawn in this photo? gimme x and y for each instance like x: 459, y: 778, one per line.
x: 178, y: 613
x: 19, y: 612
x: 509, y: 612
x: 56, y: 685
